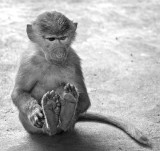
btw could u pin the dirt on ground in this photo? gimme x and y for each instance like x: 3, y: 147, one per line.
x: 119, y: 43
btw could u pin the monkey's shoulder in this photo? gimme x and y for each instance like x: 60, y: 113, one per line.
x: 33, y: 57
x: 31, y: 63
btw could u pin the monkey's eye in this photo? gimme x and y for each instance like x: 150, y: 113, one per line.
x: 51, y: 38
x: 63, y: 38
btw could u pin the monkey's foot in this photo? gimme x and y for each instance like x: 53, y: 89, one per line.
x: 69, y: 88
x: 68, y: 107
x: 51, y: 109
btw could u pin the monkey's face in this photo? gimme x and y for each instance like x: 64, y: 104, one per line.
x: 54, y: 33
x: 55, y: 47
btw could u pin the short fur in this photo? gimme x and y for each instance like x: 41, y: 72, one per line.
x: 44, y: 69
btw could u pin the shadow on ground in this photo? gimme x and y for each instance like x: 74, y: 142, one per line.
x: 67, y: 141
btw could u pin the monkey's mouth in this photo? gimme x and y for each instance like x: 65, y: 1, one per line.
x: 58, y: 53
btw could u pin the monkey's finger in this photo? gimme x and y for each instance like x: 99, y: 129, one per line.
x: 38, y: 125
x: 34, y: 120
x: 40, y: 115
x: 38, y: 122
x: 38, y: 111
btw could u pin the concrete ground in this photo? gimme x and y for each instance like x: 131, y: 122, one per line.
x: 119, y: 43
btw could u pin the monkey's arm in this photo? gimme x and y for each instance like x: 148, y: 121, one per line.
x: 83, y: 103
x: 25, y: 81
x: 83, y: 100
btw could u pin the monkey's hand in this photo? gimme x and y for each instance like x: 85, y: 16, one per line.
x: 68, y: 107
x: 36, y: 116
x: 51, y: 109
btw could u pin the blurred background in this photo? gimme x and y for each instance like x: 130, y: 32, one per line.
x: 118, y: 41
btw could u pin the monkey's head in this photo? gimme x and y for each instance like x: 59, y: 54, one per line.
x: 54, y: 33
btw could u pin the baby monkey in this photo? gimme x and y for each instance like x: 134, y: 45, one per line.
x: 49, y: 90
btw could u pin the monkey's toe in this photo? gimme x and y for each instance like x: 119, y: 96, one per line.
x: 69, y: 88
x: 50, y: 100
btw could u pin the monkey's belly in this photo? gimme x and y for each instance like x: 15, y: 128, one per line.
x: 39, y: 90
x: 50, y: 82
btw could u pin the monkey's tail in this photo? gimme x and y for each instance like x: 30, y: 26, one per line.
x: 128, y: 128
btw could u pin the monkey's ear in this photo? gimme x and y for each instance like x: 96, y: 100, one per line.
x: 30, y: 32
x: 75, y: 25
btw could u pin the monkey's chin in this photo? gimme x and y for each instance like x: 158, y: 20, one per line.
x: 58, y: 54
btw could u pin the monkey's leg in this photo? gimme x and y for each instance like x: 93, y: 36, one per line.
x: 51, y: 109
x: 68, y: 107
